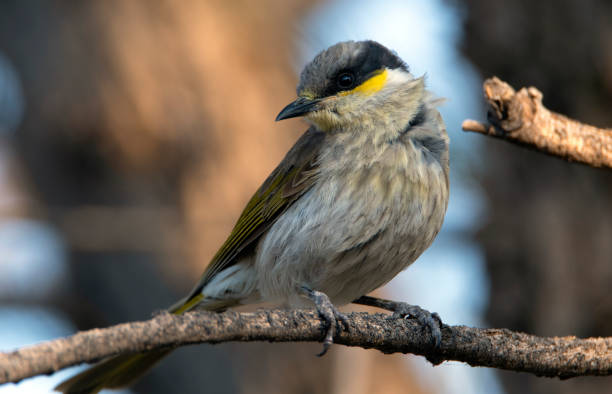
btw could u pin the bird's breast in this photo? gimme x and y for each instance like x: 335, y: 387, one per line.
x: 365, y: 219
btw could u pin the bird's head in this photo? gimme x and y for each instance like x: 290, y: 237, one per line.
x: 356, y: 83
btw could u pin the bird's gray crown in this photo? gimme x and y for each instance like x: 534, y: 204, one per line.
x: 358, y: 59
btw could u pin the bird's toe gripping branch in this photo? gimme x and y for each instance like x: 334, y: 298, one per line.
x: 334, y: 319
x: 424, y: 317
x: 427, y: 319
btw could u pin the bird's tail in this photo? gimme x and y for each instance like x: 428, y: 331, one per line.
x: 124, y: 369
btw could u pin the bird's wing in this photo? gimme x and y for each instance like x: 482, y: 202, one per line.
x: 292, y: 178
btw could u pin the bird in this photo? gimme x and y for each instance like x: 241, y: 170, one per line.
x: 361, y: 194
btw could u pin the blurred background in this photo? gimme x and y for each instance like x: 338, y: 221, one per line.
x: 132, y: 133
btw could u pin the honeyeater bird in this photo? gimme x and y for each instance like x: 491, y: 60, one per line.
x: 357, y: 199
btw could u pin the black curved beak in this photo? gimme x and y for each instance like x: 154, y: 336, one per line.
x: 299, y: 107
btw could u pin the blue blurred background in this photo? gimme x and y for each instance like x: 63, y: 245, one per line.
x: 133, y: 133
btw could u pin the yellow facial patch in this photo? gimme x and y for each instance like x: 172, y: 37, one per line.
x: 308, y: 94
x: 369, y: 87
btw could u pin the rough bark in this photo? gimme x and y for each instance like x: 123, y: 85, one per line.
x: 520, y: 117
x: 562, y: 357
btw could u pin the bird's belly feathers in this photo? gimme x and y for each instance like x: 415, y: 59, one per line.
x: 348, y: 236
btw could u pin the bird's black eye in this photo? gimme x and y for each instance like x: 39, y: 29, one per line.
x: 345, y: 80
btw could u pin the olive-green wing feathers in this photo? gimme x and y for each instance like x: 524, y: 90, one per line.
x: 292, y: 178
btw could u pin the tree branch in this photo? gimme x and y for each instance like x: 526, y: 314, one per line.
x: 521, y: 118
x: 563, y: 357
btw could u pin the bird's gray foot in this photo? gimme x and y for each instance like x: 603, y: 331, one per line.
x: 424, y: 317
x: 332, y: 316
x: 402, y: 310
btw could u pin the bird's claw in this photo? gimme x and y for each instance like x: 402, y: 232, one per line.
x: 334, y: 319
x: 403, y: 310
x: 424, y: 317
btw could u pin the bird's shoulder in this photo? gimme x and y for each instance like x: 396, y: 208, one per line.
x: 428, y: 133
x: 299, y: 165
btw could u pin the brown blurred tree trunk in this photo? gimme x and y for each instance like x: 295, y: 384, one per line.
x: 547, y: 238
